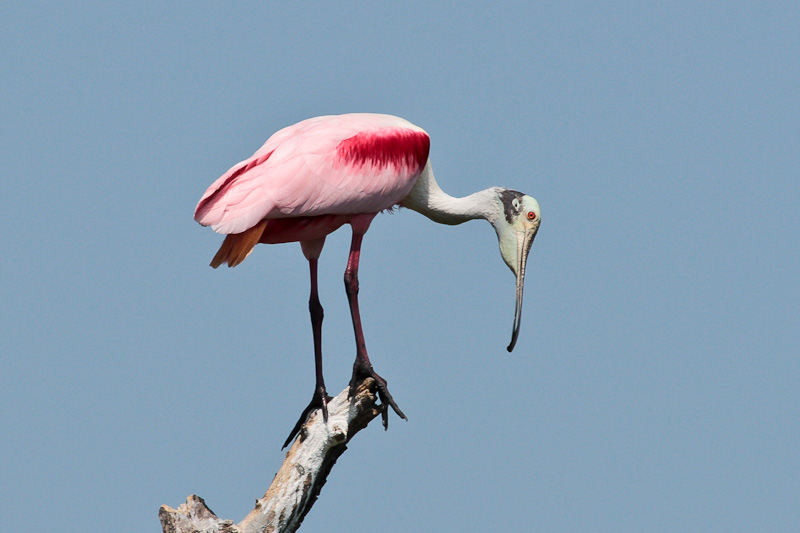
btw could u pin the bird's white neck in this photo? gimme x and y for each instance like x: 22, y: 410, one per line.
x: 429, y: 199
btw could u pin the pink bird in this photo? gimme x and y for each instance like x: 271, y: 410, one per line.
x: 311, y: 178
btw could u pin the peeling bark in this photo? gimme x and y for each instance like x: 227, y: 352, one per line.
x: 299, y: 481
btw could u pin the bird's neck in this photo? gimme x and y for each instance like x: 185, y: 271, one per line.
x: 429, y: 199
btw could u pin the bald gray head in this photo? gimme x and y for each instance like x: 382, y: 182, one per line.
x: 516, y: 230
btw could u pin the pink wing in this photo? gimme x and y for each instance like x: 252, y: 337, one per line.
x: 340, y: 165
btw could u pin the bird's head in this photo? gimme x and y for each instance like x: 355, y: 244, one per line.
x: 516, y: 224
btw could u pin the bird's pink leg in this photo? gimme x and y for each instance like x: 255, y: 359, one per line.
x: 312, y: 249
x: 362, y: 368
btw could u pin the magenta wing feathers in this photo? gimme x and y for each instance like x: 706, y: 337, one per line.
x: 332, y: 165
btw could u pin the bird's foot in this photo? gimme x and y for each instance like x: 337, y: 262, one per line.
x: 318, y: 401
x: 363, y: 370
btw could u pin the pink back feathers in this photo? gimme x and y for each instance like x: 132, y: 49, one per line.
x: 401, y: 149
x: 333, y: 165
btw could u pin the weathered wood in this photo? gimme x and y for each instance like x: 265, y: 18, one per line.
x: 297, y: 484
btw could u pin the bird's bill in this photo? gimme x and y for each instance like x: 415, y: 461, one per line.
x: 524, y: 243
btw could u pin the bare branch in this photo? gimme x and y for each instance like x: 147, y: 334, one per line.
x: 297, y: 484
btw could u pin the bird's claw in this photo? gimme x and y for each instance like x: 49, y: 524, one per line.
x: 318, y: 401
x: 360, y: 373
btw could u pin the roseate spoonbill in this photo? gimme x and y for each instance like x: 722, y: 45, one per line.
x: 311, y: 178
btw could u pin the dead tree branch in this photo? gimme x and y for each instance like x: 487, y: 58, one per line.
x: 297, y: 484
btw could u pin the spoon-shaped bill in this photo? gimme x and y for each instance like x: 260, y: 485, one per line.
x: 524, y: 243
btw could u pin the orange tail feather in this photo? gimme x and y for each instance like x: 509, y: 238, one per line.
x: 237, y: 246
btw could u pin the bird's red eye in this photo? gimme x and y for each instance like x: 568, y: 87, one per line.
x: 531, y: 215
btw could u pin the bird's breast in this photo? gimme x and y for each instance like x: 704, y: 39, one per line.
x: 279, y: 230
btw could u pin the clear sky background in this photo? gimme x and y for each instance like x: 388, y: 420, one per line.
x: 656, y: 382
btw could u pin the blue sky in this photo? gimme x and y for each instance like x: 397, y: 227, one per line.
x: 655, y: 385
